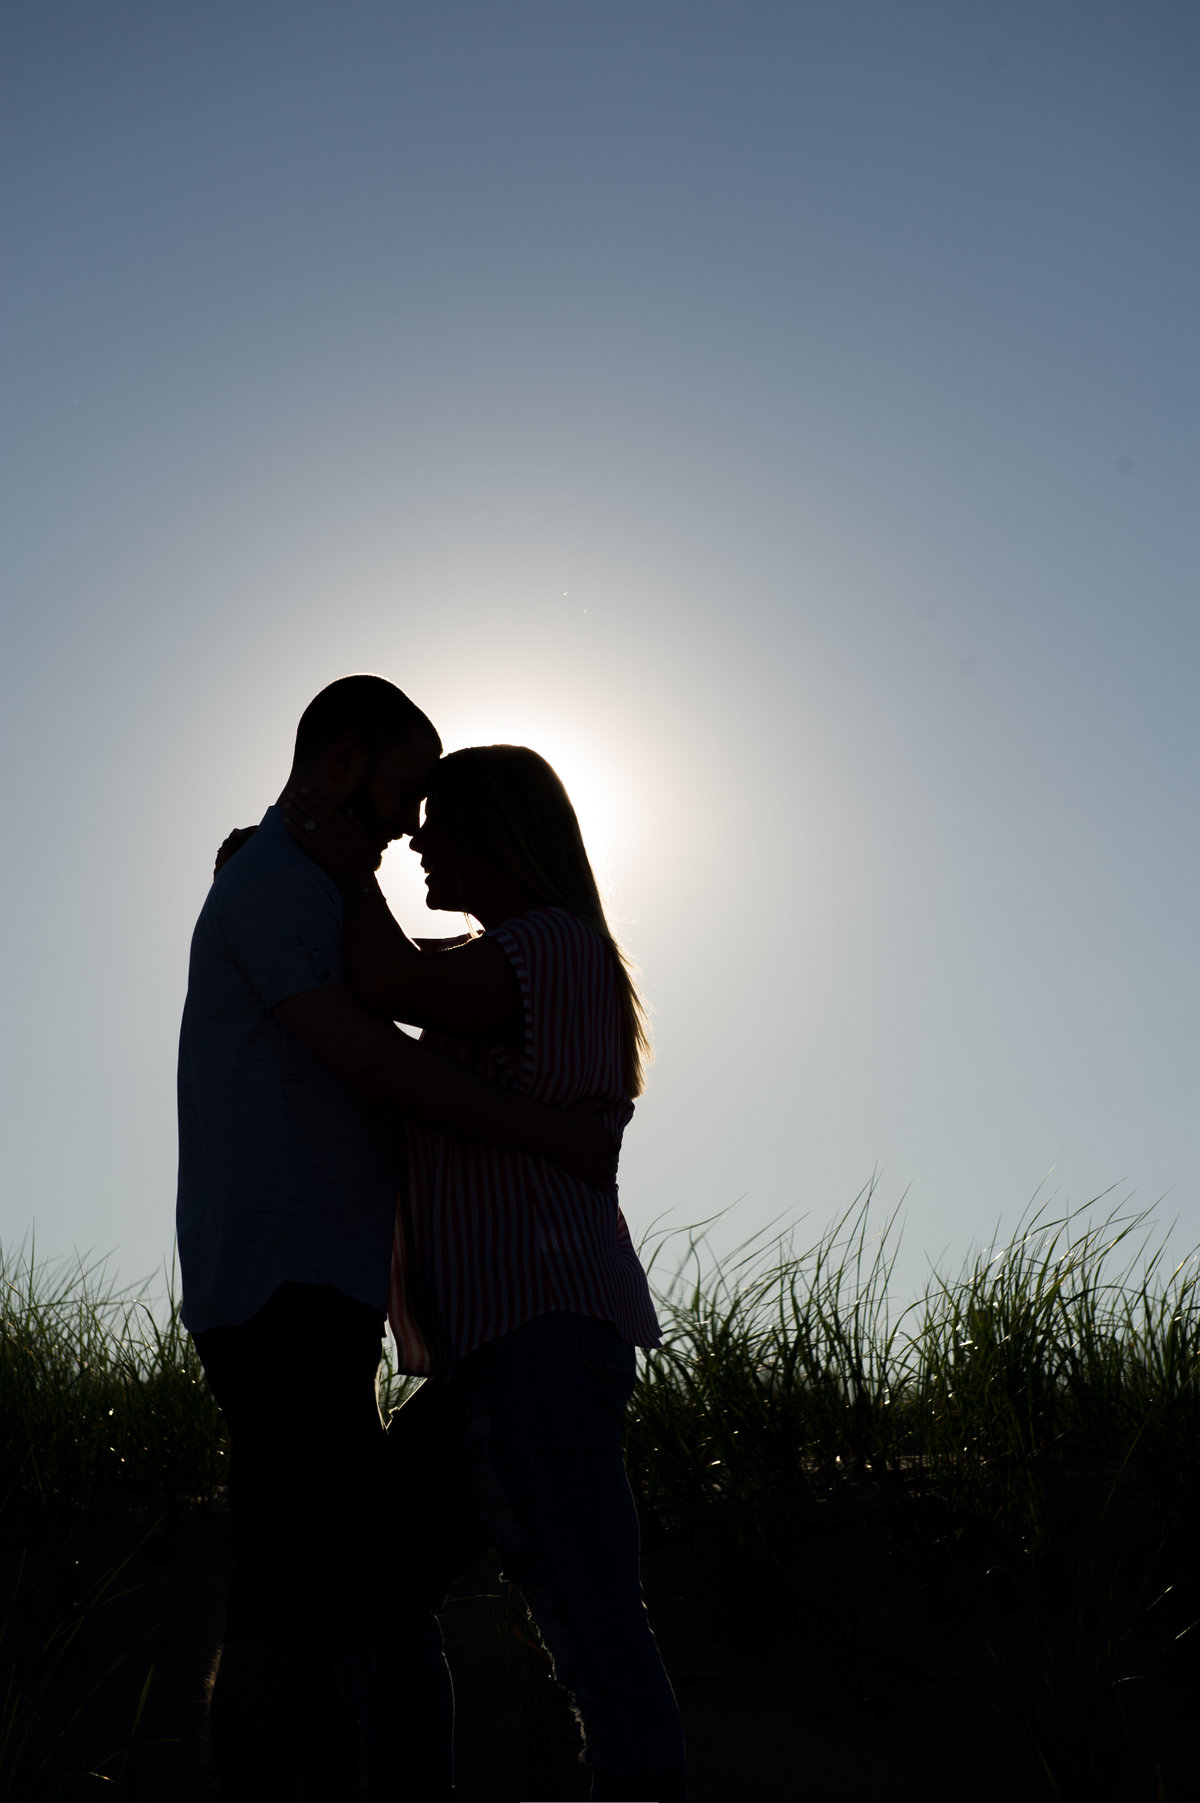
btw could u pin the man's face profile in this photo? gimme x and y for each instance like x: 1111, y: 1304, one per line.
x: 387, y: 798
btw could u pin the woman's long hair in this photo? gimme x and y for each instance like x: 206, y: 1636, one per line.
x: 504, y: 806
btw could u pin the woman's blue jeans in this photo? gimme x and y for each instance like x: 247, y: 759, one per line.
x: 521, y: 1449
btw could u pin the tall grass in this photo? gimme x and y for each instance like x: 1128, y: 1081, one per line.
x: 789, y: 1374
x: 1033, y: 1418
x: 103, y: 1404
x: 1029, y: 1429
x: 108, y: 1435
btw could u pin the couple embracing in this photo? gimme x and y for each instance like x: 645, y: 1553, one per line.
x: 333, y: 1170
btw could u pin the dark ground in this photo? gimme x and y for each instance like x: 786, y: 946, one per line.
x: 851, y: 1675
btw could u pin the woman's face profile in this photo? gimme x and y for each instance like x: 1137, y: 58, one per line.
x: 445, y: 889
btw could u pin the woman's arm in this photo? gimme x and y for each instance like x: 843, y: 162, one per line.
x: 470, y: 989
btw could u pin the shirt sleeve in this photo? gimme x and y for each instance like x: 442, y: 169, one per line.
x: 540, y: 946
x: 285, y: 934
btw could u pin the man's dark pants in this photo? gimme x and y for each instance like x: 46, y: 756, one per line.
x: 296, y: 1384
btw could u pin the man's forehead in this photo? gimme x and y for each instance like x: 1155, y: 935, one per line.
x: 415, y: 758
x: 429, y: 754
x: 425, y: 739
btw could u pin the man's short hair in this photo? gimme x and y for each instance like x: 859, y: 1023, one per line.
x: 370, y: 706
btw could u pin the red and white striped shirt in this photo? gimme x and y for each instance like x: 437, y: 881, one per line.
x: 488, y: 1237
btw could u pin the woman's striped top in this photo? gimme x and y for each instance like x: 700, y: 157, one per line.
x: 488, y: 1237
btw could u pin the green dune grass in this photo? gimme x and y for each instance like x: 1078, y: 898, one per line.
x: 788, y: 1374
x: 1028, y: 1430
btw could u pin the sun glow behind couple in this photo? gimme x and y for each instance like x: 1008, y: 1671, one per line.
x: 596, y: 793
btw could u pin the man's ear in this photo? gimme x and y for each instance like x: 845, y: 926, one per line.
x: 347, y: 760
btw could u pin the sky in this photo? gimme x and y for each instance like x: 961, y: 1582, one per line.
x: 782, y: 414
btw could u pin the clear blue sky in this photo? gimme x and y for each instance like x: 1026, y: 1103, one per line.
x: 782, y: 415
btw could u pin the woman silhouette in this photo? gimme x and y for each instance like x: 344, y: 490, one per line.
x: 515, y: 1289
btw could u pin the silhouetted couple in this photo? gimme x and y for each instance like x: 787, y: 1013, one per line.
x: 331, y: 1168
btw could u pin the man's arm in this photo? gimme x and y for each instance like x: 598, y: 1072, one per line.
x: 385, y: 1065
x: 471, y: 989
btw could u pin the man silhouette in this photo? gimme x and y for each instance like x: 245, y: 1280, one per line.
x: 288, y: 1090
